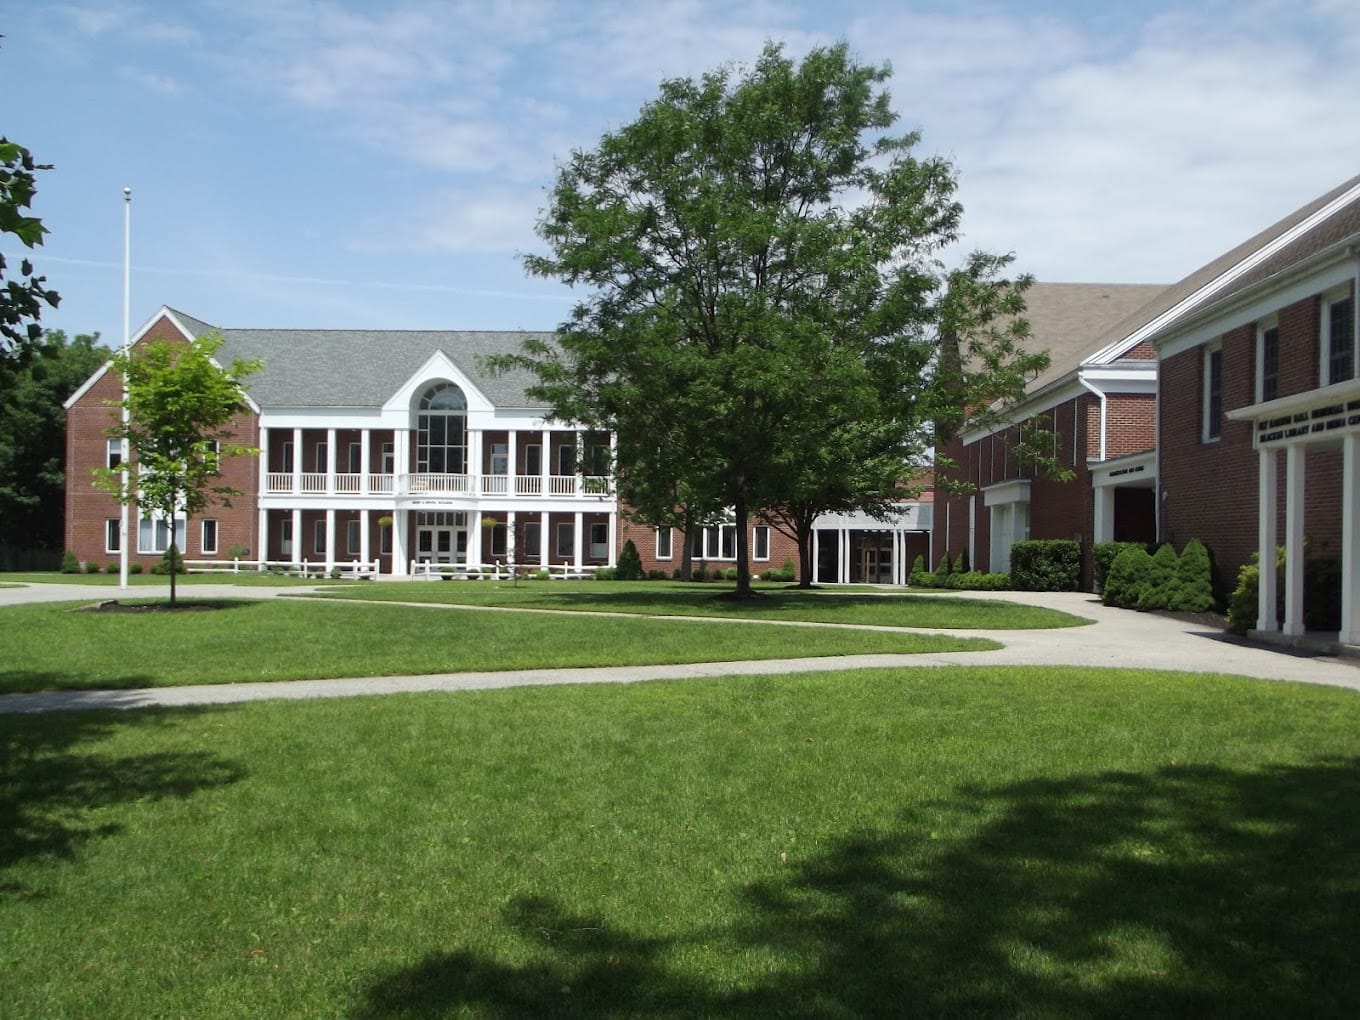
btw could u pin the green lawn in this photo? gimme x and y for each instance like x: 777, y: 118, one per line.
x: 1011, y: 842
x: 777, y: 602
x: 51, y: 647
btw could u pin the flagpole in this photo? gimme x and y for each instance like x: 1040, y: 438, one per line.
x: 123, y: 536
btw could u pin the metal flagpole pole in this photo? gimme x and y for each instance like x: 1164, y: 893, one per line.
x: 123, y: 536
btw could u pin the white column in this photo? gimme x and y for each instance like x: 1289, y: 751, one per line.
x: 1293, y: 539
x: 399, y: 520
x: 577, y: 559
x: 365, y: 468
x: 816, y: 554
x: 843, y: 537
x: 264, y: 466
x: 330, y: 531
x: 1350, y: 539
x: 401, y: 468
x: 475, y: 459
x: 474, y: 553
x: 330, y: 460
x: 510, y: 543
x: 543, y: 539
x: 613, y: 560
x: 545, y: 462
x: 297, y: 470
x: 297, y: 523
x: 364, y: 549
x: 262, y: 536
x: 1267, y: 509
x: 1103, y: 526
x: 512, y: 463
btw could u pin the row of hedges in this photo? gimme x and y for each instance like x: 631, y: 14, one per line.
x: 1137, y: 579
x: 1321, y: 594
x: 955, y: 576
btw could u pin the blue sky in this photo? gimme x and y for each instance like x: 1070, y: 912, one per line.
x: 304, y: 163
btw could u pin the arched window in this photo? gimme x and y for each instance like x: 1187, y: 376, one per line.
x: 441, y: 430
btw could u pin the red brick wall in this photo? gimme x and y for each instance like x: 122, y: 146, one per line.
x: 87, y: 508
x: 644, y: 538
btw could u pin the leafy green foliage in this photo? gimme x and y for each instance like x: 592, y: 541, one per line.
x: 1102, y: 556
x: 22, y: 299
x: 33, y: 389
x: 1163, y: 580
x: 69, y: 563
x: 180, y: 425
x: 1195, y: 591
x: 629, y: 567
x: 1046, y: 565
x: 1244, y: 602
x: 1127, y: 578
x: 765, y: 304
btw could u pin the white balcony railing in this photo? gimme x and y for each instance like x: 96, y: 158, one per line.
x: 311, y: 483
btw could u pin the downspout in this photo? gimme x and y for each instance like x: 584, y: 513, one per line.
x: 1104, y: 409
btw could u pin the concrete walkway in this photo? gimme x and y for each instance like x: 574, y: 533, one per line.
x: 1116, y: 639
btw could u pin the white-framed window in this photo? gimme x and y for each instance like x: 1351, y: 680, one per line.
x: 1211, y: 415
x: 389, y: 458
x: 153, y: 534
x: 499, y: 535
x: 566, y: 539
x: 500, y: 458
x: 385, y: 539
x: 113, y: 455
x: 566, y: 460
x: 321, y: 451
x: 1337, y: 347
x: 760, y: 542
x: 356, y: 458
x: 286, y: 536
x: 319, y: 536
x: 208, y: 536
x: 533, y: 459
x: 599, y: 541
x: 352, y: 537
x: 1267, y: 360
x: 716, y: 542
x: 664, y: 544
x: 113, y: 534
x: 533, y: 538
x: 597, y: 459
x: 286, y: 455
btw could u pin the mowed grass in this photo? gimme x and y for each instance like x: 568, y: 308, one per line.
x: 1016, y: 842
x: 59, y: 647
x: 780, y: 603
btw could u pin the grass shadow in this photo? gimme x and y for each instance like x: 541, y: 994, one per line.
x: 1180, y: 891
x: 53, y: 776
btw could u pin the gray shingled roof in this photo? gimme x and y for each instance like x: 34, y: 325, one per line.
x: 1070, y: 320
x: 363, y: 368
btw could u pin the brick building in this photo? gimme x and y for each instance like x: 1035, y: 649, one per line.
x: 391, y: 450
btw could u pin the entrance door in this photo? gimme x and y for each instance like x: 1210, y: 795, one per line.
x: 441, y: 538
x: 874, y: 562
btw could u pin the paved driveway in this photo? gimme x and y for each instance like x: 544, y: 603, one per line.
x: 1117, y: 639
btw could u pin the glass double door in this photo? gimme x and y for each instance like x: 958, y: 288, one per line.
x: 441, y: 538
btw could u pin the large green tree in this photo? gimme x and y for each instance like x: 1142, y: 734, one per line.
x: 33, y: 436
x: 181, y: 405
x: 760, y: 266
x: 22, y: 299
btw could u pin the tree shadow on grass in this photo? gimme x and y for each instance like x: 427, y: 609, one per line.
x: 53, y: 774
x: 1181, y: 891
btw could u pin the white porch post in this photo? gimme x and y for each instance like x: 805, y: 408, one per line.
x: 545, y: 463
x: 1103, y: 527
x: 297, y: 467
x: 262, y: 546
x: 401, y: 468
x: 1267, y: 510
x: 510, y: 543
x: 613, y: 559
x: 330, y: 533
x: 297, y: 526
x: 1293, y: 539
x: 365, y: 468
x: 512, y: 462
x: 474, y: 553
x: 264, y: 465
x: 577, y: 559
x: 1350, y: 540
x: 816, y: 554
x: 543, y: 538
x: 843, y: 538
x: 330, y: 460
x: 364, y: 549
x: 399, y: 519
x: 474, y: 467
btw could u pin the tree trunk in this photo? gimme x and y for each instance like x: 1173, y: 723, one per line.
x: 174, y: 558
x: 687, y: 552
x: 804, y: 552
x: 743, y: 550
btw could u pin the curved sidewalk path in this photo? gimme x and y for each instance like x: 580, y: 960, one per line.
x: 1117, y: 639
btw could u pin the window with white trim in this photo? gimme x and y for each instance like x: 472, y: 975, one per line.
x: 1267, y: 360
x: 385, y: 539
x: 500, y: 458
x: 153, y: 534
x: 321, y: 451
x: 498, y: 539
x: 1338, y: 338
x: 566, y: 539
x: 207, y: 536
x: 716, y: 542
x: 352, y: 537
x: 760, y: 542
x: 286, y: 536
x: 1211, y: 414
x: 319, y: 536
x: 599, y: 541
x: 533, y: 459
x: 533, y: 542
x: 114, y: 453
x: 664, y: 543
x: 286, y: 456
x: 566, y: 460
x: 356, y: 458
x: 113, y: 533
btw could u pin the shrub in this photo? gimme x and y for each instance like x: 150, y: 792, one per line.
x: 134, y: 568
x: 656, y: 575
x: 944, y: 569
x: 111, y: 568
x: 1243, y: 602
x: 1128, y: 578
x: 171, y: 562
x: 629, y: 567
x: 978, y: 580
x: 92, y: 568
x: 1051, y: 565
x: 1195, y: 572
x: 963, y: 567
x: 696, y: 573
x: 1163, y: 580
x: 1102, y: 555
x: 788, y: 572
x: 918, y: 565
x: 730, y: 574
x: 606, y: 574
x: 69, y: 563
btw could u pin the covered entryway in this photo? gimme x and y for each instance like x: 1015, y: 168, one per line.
x: 441, y: 536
